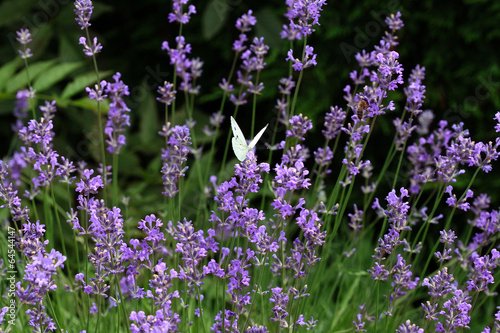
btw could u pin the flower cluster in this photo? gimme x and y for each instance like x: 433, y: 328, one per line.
x: 118, y: 118
x: 188, y: 69
x: 258, y: 265
x: 24, y: 37
x: 173, y: 157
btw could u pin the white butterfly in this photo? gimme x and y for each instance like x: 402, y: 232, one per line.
x: 240, y: 146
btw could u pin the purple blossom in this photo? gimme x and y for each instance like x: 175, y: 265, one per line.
x: 178, y: 15
x: 173, y: 157
x: 188, y: 69
x: 333, y: 122
x: 388, y: 66
x: 430, y: 311
x: 39, y: 133
x: 323, y: 157
x: 38, y: 275
x: 167, y: 94
x: 151, y: 226
x: 497, y: 118
x: 424, y: 121
x: 401, y: 280
x: 303, y: 16
x: 118, y: 118
x: 308, y: 60
x: 160, y: 322
x: 48, y: 110
x: 246, y: 21
x: 481, y: 272
x: 439, y: 284
x: 40, y: 265
x: 193, y: 247
x: 403, y: 131
x: 364, y: 59
x: 160, y: 282
x: 456, y: 312
x: 356, y: 219
x: 359, y: 324
x: 300, y: 126
x: 40, y: 320
x: 279, y: 300
x: 83, y: 11
x: 24, y: 37
x: 291, y: 178
x: 240, y: 100
x: 447, y: 237
x: 226, y: 86
x: 395, y: 23
x: 415, y: 95
x: 286, y: 85
x: 43, y: 158
x: 89, y: 185
x: 21, y: 106
x: 310, y: 224
x: 227, y: 324
x: 462, y: 204
x: 90, y: 49
x: 64, y: 170
x: 3, y: 312
x: 98, y: 92
x: 378, y: 272
x: 408, y: 327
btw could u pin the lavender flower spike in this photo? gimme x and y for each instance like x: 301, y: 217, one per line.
x: 24, y: 37
x: 90, y: 49
x: 83, y: 11
x: 177, y: 15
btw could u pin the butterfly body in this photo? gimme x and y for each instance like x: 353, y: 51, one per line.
x: 240, y: 146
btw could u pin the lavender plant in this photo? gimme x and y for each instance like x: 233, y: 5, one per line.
x: 291, y: 242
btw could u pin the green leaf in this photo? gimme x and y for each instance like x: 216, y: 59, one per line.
x: 55, y: 74
x: 90, y: 104
x: 7, y: 70
x: 214, y: 18
x: 149, y: 120
x: 14, y: 10
x: 21, y: 80
x: 82, y: 81
x: 269, y: 26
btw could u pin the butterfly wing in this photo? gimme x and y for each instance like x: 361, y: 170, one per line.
x: 240, y: 146
x: 257, y: 137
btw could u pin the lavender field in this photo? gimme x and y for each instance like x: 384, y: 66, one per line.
x: 366, y: 217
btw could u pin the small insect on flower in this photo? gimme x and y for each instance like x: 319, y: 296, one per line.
x: 362, y: 106
x: 240, y: 146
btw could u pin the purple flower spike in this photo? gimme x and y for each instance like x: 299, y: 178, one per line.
x: 408, y: 327
x: 497, y: 118
x: 90, y: 49
x: 395, y: 23
x: 308, y: 60
x: 166, y: 92
x: 98, y: 92
x: 300, y: 126
x: 173, y: 157
x: 89, y: 185
x: 280, y: 300
x: 83, y: 11
x: 178, y: 15
x: 24, y: 37
x: 118, y: 119
x: 246, y: 22
x: 303, y: 16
